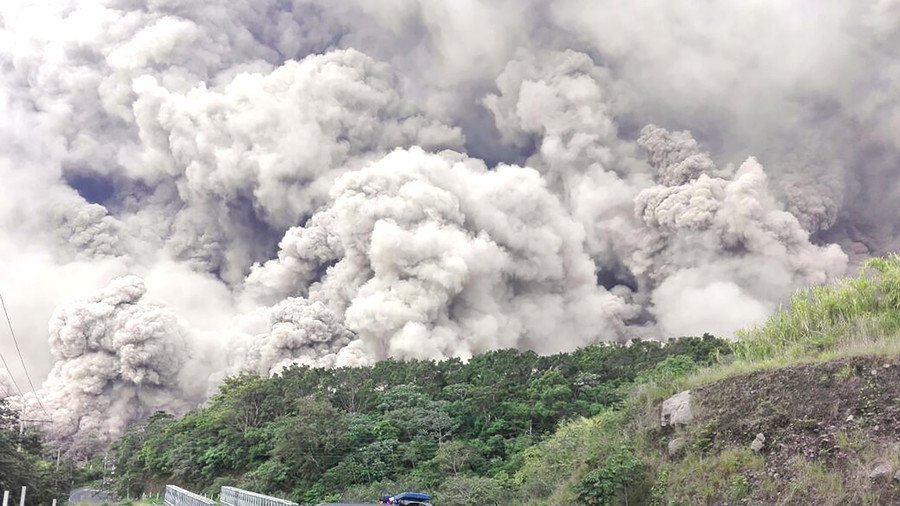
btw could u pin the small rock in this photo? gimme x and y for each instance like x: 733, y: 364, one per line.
x: 897, y: 475
x: 886, y: 366
x: 676, y: 410
x: 759, y: 443
x: 880, y: 471
x: 675, y: 446
x: 850, y: 418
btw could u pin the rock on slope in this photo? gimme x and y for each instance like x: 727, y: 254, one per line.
x: 819, y: 433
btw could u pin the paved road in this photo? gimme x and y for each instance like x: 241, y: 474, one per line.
x: 89, y: 496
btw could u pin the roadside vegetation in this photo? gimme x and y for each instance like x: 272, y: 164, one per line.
x: 861, y: 312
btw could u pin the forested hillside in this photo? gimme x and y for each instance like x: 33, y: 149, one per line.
x: 464, y: 431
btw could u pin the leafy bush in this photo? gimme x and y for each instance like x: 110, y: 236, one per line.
x: 605, y: 484
x: 467, y: 490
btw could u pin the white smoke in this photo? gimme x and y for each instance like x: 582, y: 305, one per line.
x: 279, y: 175
x: 118, y: 360
x: 693, y: 221
x: 275, y: 141
x: 429, y: 256
x: 296, y: 331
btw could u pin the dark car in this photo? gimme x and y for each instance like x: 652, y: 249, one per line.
x: 345, y: 504
x: 412, y: 499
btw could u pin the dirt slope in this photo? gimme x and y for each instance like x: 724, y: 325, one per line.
x: 832, y: 435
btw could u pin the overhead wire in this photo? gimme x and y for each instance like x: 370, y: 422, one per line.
x: 21, y: 359
x: 11, y: 377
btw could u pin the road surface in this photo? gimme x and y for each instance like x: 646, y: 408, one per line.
x: 89, y: 496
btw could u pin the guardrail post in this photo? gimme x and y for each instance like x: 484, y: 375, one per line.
x: 6, y: 498
x: 231, y: 496
x: 177, y: 496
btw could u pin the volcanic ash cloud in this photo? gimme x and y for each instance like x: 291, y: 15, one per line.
x: 118, y: 360
x: 432, y: 255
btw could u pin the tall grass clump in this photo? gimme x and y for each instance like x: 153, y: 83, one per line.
x: 860, y: 310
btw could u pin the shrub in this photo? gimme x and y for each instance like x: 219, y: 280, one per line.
x: 607, y: 482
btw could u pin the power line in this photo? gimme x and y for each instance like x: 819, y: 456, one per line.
x: 11, y: 377
x: 21, y: 359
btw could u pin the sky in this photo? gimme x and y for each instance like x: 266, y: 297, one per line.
x: 193, y: 189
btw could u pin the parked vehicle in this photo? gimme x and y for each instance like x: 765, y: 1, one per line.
x: 407, y: 499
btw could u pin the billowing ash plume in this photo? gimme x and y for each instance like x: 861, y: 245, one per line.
x: 118, y: 360
x: 261, y: 183
x: 430, y: 256
x: 298, y: 331
x: 275, y: 141
x: 562, y: 103
x: 702, y: 212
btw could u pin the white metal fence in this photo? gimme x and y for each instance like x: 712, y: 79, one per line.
x: 231, y: 496
x: 177, y: 496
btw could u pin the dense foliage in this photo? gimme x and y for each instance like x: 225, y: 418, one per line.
x: 470, y: 432
x: 25, y: 462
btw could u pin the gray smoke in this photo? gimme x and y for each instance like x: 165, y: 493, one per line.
x: 296, y: 331
x: 704, y: 212
x: 118, y: 359
x: 333, y: 183
x: 434, y: 255
x: 275, y: 141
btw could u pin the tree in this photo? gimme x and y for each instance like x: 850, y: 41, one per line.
x: 23, y: 462
x: 313, y: 440
x: 468, y: 490
x: 455, y: 457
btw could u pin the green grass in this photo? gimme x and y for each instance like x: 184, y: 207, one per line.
x: 720, y: 478
x: 848, y: 313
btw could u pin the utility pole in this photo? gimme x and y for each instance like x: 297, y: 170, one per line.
x: 22, y: 421
x: 21, y: 426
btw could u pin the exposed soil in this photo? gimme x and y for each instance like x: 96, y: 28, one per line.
x: 835, y: 414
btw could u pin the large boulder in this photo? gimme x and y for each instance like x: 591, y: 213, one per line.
x: 676, y: 410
